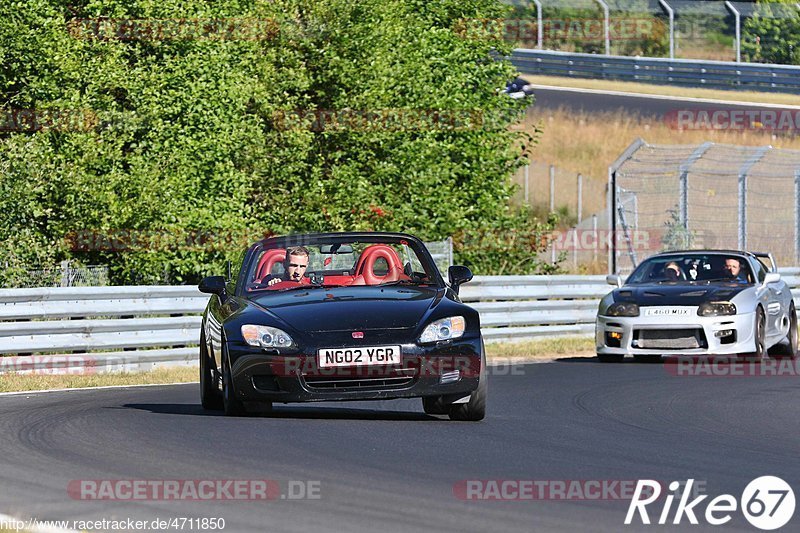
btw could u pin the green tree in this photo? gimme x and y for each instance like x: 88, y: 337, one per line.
x: 190, y: 138
x: 772, y: 34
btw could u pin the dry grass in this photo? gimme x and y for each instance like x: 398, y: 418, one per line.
x: 24, y: 382
x: 541, y: 349
x: 665, y: 90
x: 588, y: 143
x: 522, y: 351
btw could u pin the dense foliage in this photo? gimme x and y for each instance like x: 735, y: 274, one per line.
x: 772, y: 34
x: 193, y: 140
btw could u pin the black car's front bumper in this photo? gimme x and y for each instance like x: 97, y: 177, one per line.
x: 450, y: 369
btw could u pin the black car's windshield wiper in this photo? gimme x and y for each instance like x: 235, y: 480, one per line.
x: 729, y: 280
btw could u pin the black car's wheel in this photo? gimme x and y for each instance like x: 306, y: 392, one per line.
x: 787, y: 348
x: 610, y: 358
x: 231, y: 404
x: 433, y: 405
x: 209, y: 394
x: 475, y: 408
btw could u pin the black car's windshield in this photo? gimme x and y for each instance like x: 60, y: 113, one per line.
x: 340, y: 264
x: 693, y: 268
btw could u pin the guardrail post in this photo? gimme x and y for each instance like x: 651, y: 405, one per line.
x: 671, y: 14
x: 738, y: 41
x: 596, y: 240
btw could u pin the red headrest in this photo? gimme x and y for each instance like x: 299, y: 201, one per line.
x: 269, y: 260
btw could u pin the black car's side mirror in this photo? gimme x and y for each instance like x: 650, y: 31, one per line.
x: 213, y: 285
x: 457, y: 275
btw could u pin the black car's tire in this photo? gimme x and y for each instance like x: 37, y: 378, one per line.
x: 610, y: 358
x: 433, y: 405
x: 787, y: 348
x: 475, y: 409
x: 210, y: 397
x: 231, y: 404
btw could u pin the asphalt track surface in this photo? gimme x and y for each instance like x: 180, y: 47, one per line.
x: 644, y: 106
x: 386, y: 466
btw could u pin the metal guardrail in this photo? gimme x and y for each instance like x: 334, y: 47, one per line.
x: 684, y: 72
x: 83, y: 326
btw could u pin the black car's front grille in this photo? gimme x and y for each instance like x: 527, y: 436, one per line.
x: 670, y: 339
x: 359, y: 383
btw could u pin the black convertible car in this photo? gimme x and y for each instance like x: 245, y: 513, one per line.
x: 341, y: 316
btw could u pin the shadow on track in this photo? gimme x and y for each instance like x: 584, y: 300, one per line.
x: 293, y: 412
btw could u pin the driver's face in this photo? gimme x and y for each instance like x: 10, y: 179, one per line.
x: 732, y: 267
x: 296, y: 266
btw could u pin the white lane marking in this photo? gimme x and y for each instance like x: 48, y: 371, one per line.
x: 664, y: 97
x: 12, y: 393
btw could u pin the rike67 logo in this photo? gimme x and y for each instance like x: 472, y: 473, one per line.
x: 767, y: 503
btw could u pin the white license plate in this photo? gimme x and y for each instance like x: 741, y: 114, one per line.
x: 364, y: 355
x: 666, y: 311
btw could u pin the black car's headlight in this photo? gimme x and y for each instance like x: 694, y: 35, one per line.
x: 266, y: 337
x: 443, y: 329
x: 623, y: 309
x: 716, y: 309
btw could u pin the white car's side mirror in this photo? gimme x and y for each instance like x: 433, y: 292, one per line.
x: 614, y: 279
x: 772, y: 277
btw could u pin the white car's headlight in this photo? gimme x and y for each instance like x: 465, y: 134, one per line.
x: 266, y: 337
x: 623, y: 309
x: 443, y: 329
x: 716, y: 309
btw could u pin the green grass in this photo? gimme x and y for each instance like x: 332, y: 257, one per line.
x: 542, y: 348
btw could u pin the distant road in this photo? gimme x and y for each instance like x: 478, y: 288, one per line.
x: 594, y: 101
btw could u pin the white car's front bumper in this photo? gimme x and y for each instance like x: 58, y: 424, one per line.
x: 688, y: 333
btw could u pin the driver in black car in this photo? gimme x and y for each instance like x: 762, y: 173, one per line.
x: 294, y: 266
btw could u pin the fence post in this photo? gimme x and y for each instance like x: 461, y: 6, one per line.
x: 580, y: 198
x: 606, y: 33
x: 742, y: 197
x: 552, y: 188
x: 671, y: 14
x: 596, y: 240
x: 797, y: 217
x: 738, y: 40
x: 527, y: 185
x: 65, y: 273
x: 538, y: 23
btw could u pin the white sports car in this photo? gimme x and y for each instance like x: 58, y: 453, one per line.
x: 702, y: 302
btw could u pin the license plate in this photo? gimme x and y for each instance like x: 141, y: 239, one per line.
x: 364, y: 355
x: 666, y: 311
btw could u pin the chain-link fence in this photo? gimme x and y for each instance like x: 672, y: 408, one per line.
x: 705, y: 196
x: 64, y: 275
